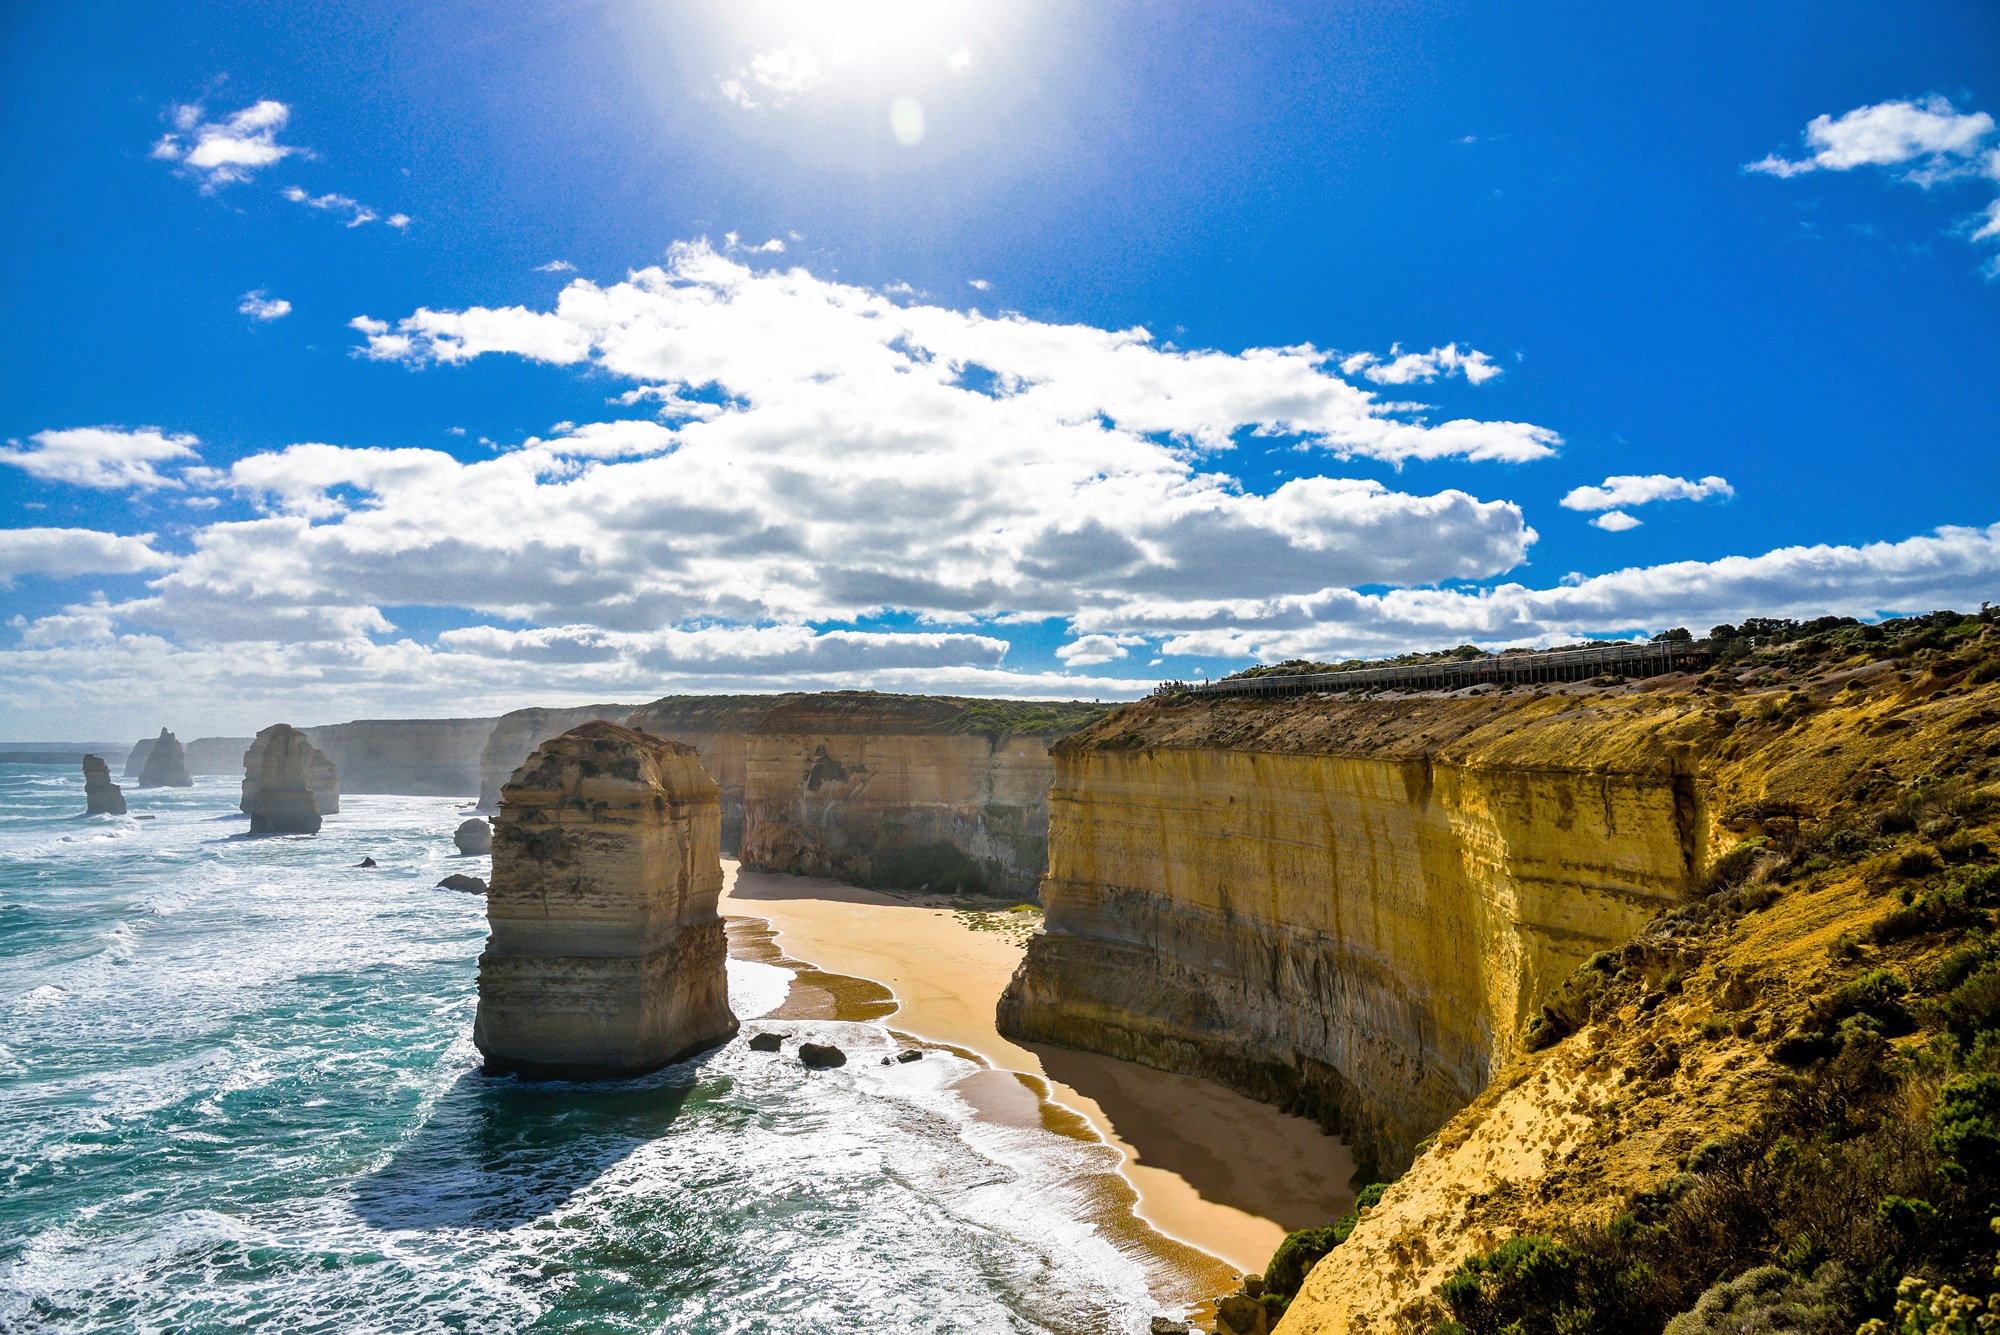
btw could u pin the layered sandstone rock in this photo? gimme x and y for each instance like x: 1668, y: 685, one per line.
x: 421, y: 757
x: 101, y: 797
x: 719, y: 728
x: 278, y: 791
x: 514, y: 737
x: 322, y: 776
x: 166, y: 764
x: 1348, y: 907
x: 606, y: 957
x: 904, y: 790
x: 216, y: 755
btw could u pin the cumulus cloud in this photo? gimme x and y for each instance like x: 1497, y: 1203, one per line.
x: 1930, y: 133
x: 772, y: 78
x: 1090, y: 650
x: 102, y: 457
x: 219, y: 153
x: 63, y: 553
x: 1924, y: 143
x: 260, y: 306
x: 1410, y: 368
x: 1616, y: 521
x: 1627, y: 490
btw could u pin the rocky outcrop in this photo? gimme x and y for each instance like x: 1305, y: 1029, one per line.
x: 166, y: 764
x: 417, y: 757
x: 606, y: 956
x: 719, y: 728
x: 135, y: 759
x: 473, y: 837
x: 904, y: 790
x: 217, y: 755
x: 277, y: 783
x: 1349, y: 908
x: 515, y: 736
x: 101, y: 797
x: 322, y: 775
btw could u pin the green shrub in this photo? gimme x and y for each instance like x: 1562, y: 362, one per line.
x: 1962, y: 1123
x: 1768, y: 1300
x: 1530, y: 1285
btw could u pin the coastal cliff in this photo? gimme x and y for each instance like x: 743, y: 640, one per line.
x: 419, y: 757
x: 719, y: 728
x: 515, y: 735
x: 902, y: 790
x: 1349, y: 907
x: 606, y: 956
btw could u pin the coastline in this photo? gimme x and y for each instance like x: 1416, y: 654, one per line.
x: 1209, y: 1181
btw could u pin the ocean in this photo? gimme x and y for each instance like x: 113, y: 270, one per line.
x: 238, y: 1092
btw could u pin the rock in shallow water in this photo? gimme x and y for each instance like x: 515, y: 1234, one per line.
x: 765, y: 1043
x: 606, y: 957
x: 470, y: 885
x: 821, y: 1055
x: 101, y: 797
x: 473, y: 837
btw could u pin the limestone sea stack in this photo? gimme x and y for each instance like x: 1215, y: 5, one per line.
x: 135, y: 759
x: 101, y: 796
x: 605, y: 956
x: 516, y: 735
x: 473, y: 837
x: 321, y: 775
x: 166, y: 764
x: 278, y: 793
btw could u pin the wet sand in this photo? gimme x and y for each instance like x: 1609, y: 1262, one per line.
x: 1206, y: 1167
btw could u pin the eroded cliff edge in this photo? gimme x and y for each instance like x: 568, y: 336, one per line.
x: 1349, y: 907
x: 904, y: 790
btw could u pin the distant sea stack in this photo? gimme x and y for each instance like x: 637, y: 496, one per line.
x: 516, y: 735
x: 322, y: 776
x: 101, y: 796
x: 606, y: 957
x: 135, y: 759
x: 166, y: 764
x: 278, y: 792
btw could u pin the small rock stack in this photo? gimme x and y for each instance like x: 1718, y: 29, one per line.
x: 606, y: 957
x: 166, y: 764
x: 101, y: 797
x: 277, y: 782
x: 473, y: 837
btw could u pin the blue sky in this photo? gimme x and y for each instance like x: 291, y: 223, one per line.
x: 1620, y: 244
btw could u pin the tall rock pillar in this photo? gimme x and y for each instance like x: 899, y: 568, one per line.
x: 166, y: 764
x: 101, y: 796
x: 278, y: 772
x: 605, y: 956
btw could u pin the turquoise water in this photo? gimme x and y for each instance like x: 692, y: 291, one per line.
x: 238, y: 1091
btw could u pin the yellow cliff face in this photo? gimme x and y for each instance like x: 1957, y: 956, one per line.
x: 903, y: 790
x: 1356, y: 932
x: 435, y: 757
x: 718, y: 727
x: 515, y: 736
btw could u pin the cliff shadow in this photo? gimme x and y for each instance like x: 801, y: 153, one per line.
x: 1230, y: 1149
x: 497, y: 1153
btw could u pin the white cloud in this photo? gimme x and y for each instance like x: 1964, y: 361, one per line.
x: 734, y: 243
x: 556, y: 266
x: 977, y: 284
x: 357, y: 212
x: 218, y: 153
x: 102, y: 457
x: 1090, y: 650
x: 773, y: 78
x: 259, y: 306
x: 1929, y: 141
x: 1616, y: 521
x: 1628, y: 490
x: 1408, y: 368
x: 62, y: 553
x: 1887, y: 134
x: 398, y: 220
x: 958, y: 59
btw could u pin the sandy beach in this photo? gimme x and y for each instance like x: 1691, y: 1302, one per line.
x: 1204, y: 1168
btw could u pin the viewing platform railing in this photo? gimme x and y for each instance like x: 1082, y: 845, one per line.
x: 1624, y: 660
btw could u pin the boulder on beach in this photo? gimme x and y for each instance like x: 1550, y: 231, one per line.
x: 321, y: 776
x: 821, y: 1055
x: 101, y: 797
x: 606, y: 956
x: 166, y: 764
x: 277, y: 791
x: 473, y: 837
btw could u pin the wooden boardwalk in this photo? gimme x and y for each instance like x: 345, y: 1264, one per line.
x: 1624, y: 660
